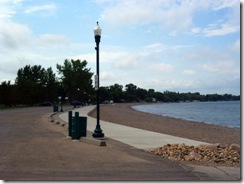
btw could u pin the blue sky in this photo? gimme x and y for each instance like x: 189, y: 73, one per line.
x: 175, y: 45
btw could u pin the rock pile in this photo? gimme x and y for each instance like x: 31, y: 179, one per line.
x: 214, y: 153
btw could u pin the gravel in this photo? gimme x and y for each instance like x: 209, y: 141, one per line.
x: 123, y: 114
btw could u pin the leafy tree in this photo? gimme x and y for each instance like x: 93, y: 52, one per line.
x: 171, y: 96
x: 76, y: 79
x: 35, y: 84
x: 7, y: 93
x: 130, y: 88
x: 159, y: 96
x: 130, y: 92
x: 227, y: 97
x: 141, y: 93
x: 116, y: 92
x: 212, y: 97
x: 51, y: 84
x: 29, y: 83
x: 104, y: 93
x: 151, y: 93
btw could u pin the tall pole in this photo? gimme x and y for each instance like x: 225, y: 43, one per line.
x: 98, y: 131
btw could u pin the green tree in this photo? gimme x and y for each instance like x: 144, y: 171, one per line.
x: 151, y: 93
x: 104, y: 93
x: 116, y: 92
x: 29, y: 83
x: 36, y: 84
x: 130, y: 92
x: 141, y: 93
x: 7, y: 93
x: 76, y: 79
x: 159, y: 96
x: 50, y: 84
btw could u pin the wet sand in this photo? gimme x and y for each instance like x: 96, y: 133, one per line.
x: 123, y: 114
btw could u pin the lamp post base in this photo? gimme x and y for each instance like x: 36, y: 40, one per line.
x: 98, y: 133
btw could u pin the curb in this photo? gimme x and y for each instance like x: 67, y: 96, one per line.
x: 93, y: 141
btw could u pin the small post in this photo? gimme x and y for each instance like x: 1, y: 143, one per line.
x: 70, y: 123
x: 76, y: 125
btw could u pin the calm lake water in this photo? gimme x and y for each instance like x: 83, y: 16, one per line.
x: 225, y: 113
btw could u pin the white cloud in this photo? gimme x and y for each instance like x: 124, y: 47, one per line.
x: 218, y: 28
x: 106, y: 78
x: 222, y: 29
x: 236, y: 46
x: 48, y: 9
x: 17, y: 2
x: 55, y: 40
x: 133, y: 13
x: 163, y: 67
x: 221, y: 4
x: 189, y: 72
x: 165, y: 12
x: 6, y: 11
x: 228, y: 24
x: 14, y: 35
x: 7, y: 8
x: 128, y: 63
x: 175, y: 16
x: 196, y: 30
x: 112, y: 56
x: 19, y: 36
x: 21, y: 47
x: 223, y: 67
x: 15, y: 65
x: 156, y: 47
x: 204, y: 85
x: 172, y: 15
x: 172, y: 84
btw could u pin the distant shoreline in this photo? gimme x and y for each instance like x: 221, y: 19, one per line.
x: 231, y: 123
x: 124, y: 114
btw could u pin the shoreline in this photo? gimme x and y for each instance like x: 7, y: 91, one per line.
x: 189, y: 120
x: 124, y: 114
x: 192, y: 120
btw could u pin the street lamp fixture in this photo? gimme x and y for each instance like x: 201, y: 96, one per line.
x: 97, y: 34
x: 66, y: 99
x: 60, y: 101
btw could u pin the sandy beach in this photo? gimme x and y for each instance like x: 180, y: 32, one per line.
x: 123, y: 114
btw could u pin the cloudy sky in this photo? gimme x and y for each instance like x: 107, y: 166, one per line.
x: 175, y: 45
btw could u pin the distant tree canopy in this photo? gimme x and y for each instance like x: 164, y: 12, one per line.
x: 76, y: 79
x: 132, y: 93
x: 35, y: 84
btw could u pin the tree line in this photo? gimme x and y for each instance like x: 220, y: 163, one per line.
x: 35, y: 84
x: 132, y: 93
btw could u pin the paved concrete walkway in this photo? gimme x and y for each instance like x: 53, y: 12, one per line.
x: 144, y: 139
x: 135, y: 137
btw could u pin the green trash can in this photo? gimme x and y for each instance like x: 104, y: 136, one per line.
x: 79, y: 127
x: 55, y: 108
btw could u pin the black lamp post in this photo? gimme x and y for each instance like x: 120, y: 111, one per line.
x: 61, y: 104
x: 97, y: 34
